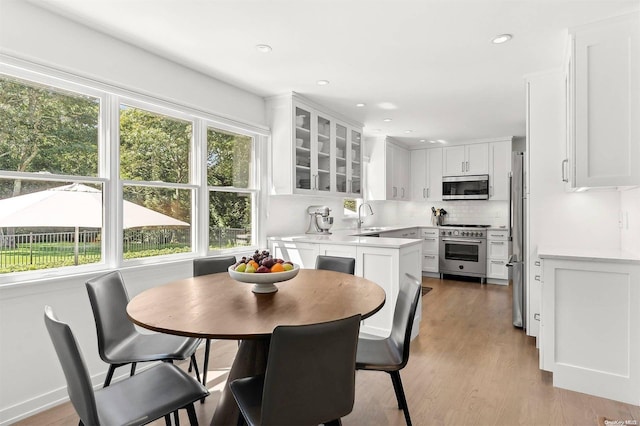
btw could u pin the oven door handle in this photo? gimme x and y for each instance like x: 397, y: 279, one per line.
x: 462, y: 241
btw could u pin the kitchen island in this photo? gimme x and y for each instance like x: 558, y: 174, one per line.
x: 590, y: 321
x: 384, y: 261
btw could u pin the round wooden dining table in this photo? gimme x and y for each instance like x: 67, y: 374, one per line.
x: 218, y: 307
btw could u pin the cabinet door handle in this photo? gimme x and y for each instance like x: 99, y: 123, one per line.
x: 564, y: 162
x: 316, y: 181
x: 467, y: 166
x: 462, y: 167
x: 395, y: 191
x: 490, y: 191
x: 536, y: 317
x: 424, y: 192
x: 537, y: 277
x: 402, y: 196
x: 537, y: 263
x: 428, y: 192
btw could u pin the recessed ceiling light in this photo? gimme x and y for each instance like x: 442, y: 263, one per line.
x: 264, y: 48
x: 360, y: 105
x: 422, y: 140
x: 408, y: 131
x: 432, y: 141
x: 442, y: 141
x: 502, y: 38
x: 322, y: 82
x: 387, y: 120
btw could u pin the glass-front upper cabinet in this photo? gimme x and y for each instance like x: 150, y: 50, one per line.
x: 313, y: 151
x: 355, y: 160
x: 303, y: 175
x: 324, y: 169
x: 340, y: 158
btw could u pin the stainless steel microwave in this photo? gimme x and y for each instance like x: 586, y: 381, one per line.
x: 465, y: 187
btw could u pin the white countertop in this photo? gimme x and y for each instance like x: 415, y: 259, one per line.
x: 588, y: 254
x: 354, y: 237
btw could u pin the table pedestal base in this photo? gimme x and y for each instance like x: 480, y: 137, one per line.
x: 250, y: 360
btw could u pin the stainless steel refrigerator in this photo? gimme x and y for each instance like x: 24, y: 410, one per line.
x: 516, y: 218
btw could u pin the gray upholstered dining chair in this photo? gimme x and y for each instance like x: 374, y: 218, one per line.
x: 309, y: 378
x: 119, y: 343
x: 391, y: 354
x: 206, y: 266
x: 336, y: 263
x: 137, y: 400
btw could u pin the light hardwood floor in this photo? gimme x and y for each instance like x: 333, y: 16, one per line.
x: 468, y: 366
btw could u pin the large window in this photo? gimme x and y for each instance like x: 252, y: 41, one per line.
x: 154, y: 159
x: 184, y: 183
x: 51, y: 209
x: 230, y: 178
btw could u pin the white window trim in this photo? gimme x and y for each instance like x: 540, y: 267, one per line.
x: 109, y: 168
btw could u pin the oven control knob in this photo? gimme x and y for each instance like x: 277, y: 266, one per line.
x: 456, y: 233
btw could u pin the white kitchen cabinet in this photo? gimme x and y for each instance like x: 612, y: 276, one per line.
x: 388, y: 171
x: 603, y: 104
x: 300, y: 253
x: 426, y: 174
x: 430, y: 249
x: 339, y: 250
x: 498, y: 252
x: 387, y: 268
x: 590, y: 333
x: 471, y: 159
x: 314, y: 152
x: 499, y: 170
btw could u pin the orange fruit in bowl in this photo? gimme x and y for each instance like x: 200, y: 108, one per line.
x: 254, y: 264
x: 277, y: 268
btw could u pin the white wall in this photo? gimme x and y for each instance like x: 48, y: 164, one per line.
x: 31, y: 33
x: 30, y: 375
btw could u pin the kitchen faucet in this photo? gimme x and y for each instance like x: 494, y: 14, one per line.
x: 360, y: 221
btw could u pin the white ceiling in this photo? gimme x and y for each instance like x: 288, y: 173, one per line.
x: 431, y: 61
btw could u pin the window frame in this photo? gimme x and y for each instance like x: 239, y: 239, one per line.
x: 111, y: 97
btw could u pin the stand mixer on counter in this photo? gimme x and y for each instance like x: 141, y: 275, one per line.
x: 319, y: 220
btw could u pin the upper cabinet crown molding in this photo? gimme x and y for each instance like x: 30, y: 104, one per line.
x: 295, y: 96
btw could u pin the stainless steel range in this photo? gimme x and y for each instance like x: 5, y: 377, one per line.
x: 463, y: 250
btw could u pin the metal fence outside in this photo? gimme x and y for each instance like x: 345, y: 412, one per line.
x: 54, y: 249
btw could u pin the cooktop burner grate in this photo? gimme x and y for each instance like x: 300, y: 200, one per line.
x: 460, y: 225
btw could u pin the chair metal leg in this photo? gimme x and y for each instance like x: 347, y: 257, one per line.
x: 133, y: 368
x: 190, y: 366
x: 176, y: 418
x: 402, y: 400
x: 167, y: 419
x: 207, y: 350
x: 191, y: 411
x: 195, y: 366
x: 112, y: 369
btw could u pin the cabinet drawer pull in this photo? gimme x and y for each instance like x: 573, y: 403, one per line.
x: 537, y: 277
x: 430, y: 256
x: 500, y: 243
x: 496, y: 235
x: 536, y: 317
x: 430, y: 239
x: 564, y: 178
x: 537, y: 263
x: 497, y: 262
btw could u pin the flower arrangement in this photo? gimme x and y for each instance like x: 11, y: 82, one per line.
x: 438, y: 216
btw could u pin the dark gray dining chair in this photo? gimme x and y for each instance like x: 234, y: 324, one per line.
x: 391, y: 354
x: 206, y: 266
x: 336, y: 263
x: 309, y: 378
x: 137, y: 400
x: 119, y: 343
